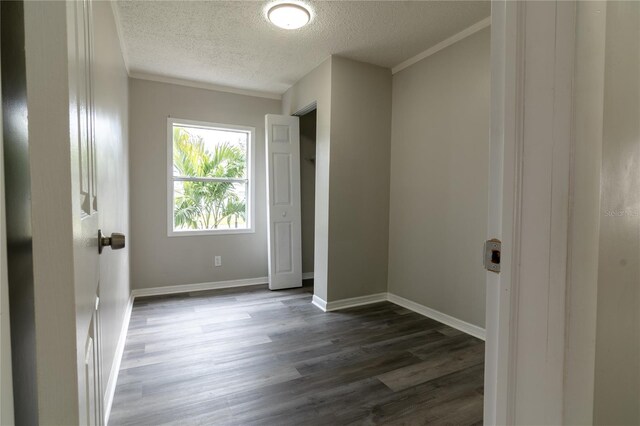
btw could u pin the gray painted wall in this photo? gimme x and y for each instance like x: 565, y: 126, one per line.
x: 352, y: 174
x: 617, y: 366
x: 359, y: 179
x: 439, y: 179
x: 307, y: 186
x: 156, y: 259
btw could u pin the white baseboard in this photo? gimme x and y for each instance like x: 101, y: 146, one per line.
x: 117, y: 359
x: 348, y: 303
x: 307, y: 275
x: 456, y: 323
x: 320, y: 303
x: 356, y: 301
x: 445, y: 319
x: 187, y: 288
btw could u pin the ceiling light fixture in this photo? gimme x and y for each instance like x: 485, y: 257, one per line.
x: 289, y: 16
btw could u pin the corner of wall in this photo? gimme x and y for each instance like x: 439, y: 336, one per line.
x: 360, y: 131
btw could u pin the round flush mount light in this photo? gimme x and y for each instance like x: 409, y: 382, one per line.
x: 289, y: 16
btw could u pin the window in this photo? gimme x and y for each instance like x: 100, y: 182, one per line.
x: 210, y: 186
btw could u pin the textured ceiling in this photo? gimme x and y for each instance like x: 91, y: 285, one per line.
x: 231, y: 43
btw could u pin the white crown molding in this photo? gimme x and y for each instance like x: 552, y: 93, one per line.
x: 203, y: 85
x: 443, y: 44
x: 117, y: 359
x: 187, y: 288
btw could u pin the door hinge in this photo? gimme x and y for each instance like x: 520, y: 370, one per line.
x: 492, y: 250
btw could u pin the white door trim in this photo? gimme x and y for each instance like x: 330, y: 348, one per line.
x: 529, y: 193
x: 507, y: 78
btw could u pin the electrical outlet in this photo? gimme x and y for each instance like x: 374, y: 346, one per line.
x: 217, y: 261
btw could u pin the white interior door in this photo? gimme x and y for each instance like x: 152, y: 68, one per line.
x: 283, y: 201
x: 86, y: 211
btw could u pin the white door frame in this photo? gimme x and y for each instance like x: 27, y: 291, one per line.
x: 530, y: 165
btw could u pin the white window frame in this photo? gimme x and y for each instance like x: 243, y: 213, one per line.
x: 251, y: 132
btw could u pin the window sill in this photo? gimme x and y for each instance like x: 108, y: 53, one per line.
x: 210, y: 232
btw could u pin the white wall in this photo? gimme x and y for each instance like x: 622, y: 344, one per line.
x: 156, y: 259
x: 602, y: 368
x: 439, y: 179
x: 585, y: 212
x: 617, y: 367
x: 111, y: 88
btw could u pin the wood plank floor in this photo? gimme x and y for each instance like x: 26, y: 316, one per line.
x: 250, y: 356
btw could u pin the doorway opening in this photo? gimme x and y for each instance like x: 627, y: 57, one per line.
x: 308, y: 192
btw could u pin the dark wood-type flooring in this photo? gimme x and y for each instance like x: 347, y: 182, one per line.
x: 250, y: 356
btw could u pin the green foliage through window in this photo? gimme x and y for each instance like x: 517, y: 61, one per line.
x: 210, y: 185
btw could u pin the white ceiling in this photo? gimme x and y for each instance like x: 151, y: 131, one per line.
x: 231, y: 43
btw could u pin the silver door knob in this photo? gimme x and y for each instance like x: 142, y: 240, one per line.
x: 116, y: 241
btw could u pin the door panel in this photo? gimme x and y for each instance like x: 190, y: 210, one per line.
x: 92, y: 375
x: 281, y: 133
x: 89, y: 383
x: 283, y: 199
x: 284, y: 261
x: 85, y: 204
x: 282, y: 179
